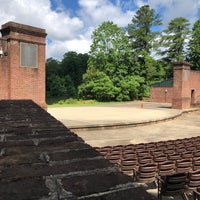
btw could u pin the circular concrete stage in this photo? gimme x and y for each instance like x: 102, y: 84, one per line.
x: 125, y: 123
x: 110, y: 115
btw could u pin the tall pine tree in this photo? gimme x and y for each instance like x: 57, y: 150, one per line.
x: 141, y: 31
x: 194, y: 47
x: 142, y: 34
x: 173, y: 42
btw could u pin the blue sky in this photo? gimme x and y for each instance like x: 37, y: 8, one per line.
x: 70, y: 23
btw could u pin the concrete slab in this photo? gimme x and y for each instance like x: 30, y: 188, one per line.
x: 132, y: 113
x: 128, y: 123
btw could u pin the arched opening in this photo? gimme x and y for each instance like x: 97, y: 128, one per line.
x: 192, y: 96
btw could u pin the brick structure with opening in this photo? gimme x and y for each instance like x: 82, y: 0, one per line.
x: 22, y: 63
x: 182, y: 91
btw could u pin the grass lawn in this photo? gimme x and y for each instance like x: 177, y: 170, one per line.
x: 60, y: 102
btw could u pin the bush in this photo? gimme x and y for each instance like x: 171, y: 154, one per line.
x: 97, y: 85
x: 87, y: 101
x: 68, y: 101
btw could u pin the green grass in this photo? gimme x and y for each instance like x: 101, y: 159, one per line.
x: 61, y: 102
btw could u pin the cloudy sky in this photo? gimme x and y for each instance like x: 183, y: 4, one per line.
x: 70, y: 23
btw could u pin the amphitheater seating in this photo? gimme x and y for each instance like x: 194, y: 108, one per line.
x: 114, y: 156
x: 160, y: 158
x: 196, y: 163
x: 196, y: 153
x: 172, y: 185
x: 126, y: 165
x: 147, y: 162
x: 184, y: 165
x: 146, y: 173
x: 166, y: 168
x: 196, y: 194
x: 186, y: 154
x: 193, y: 180
x: 174, y: 156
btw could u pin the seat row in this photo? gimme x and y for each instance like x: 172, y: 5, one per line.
x: 179, y: 144
x: 151, y: 162
x: 169, y: 157
x: 149, y: 172
x: 185, y: 185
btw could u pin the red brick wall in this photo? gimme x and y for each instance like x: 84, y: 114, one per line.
x: 182, y: 94
x: 185, y: 91
x: 161, y: 94
x: 195, y: 85
x: 3, y: 78
x: 22, y: 82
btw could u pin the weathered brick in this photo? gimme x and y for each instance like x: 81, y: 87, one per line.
x: 22, y: 82
x: 185, y: 91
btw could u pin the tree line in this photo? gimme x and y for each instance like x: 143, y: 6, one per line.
x: 124, y: 62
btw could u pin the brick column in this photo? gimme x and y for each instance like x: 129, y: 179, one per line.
x: 4, y: 86
x: 25, y: 62
x: 181, y: 94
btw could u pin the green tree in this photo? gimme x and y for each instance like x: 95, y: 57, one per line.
x: 57, y: 87
x: 194, y: 47
x: 52, y: 69
x: 141, y: 29
x: 74, y: 65
x: 71, y: 91
x: 154, y: 70
x: 60, y: 87
x: 173, y: 42
x: 52, y: 66
x: 131, y: 87
x: 142, y: 34
x: 97, y: 85
x: 68, y: 73
x: 110, y: 51
x: 111, y: 61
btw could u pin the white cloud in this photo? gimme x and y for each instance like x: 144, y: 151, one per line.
x: 94, y: 12
x: 38, y: 13
x: 58, y: 48
x: 69, y: 32
x: 177, y: 8
x: 59, y: 26
x: 140, y: 3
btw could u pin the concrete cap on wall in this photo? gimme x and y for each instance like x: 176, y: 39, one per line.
x: 181, y: 65
x: 22, y: 28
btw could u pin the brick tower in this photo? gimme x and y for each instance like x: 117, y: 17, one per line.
x: 22, y: 63
x: 181, y: 88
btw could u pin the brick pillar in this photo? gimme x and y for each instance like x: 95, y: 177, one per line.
x: 25, y: 62
x: 3, y: 71
x: 181, y: 94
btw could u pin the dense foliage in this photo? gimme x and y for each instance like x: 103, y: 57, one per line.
x: 110, y: 76
x: 143, y: 40
x: 173, y: 43
x: 123, y: 62
x: 64, y: 77
x: 140, y: 30
x: 193, y: 55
